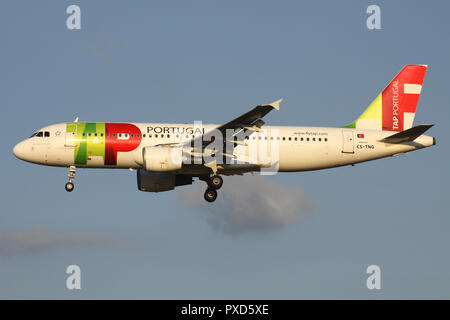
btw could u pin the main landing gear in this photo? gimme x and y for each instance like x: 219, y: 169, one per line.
x: 69, y: 185
x: 214, y: 182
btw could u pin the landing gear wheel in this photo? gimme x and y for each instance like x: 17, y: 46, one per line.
x: 215, y: 182
x: 69, y: 186
x: 210, y: 195
x: 71, y: 175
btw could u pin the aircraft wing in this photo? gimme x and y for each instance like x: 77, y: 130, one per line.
x: 251, y: 120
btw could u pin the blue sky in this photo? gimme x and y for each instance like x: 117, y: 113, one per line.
x: 180, y: 61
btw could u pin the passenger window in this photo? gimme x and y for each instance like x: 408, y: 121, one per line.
x: 314, y: 139
x: 326, y: 139
x: 295, y: 139
x: 307, y: 139
x: 320, y: 139
x: 168, y: 136
x: 284, y: 138
x: 290, y: 138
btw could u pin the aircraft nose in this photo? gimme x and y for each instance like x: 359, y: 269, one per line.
x: 19, y: 150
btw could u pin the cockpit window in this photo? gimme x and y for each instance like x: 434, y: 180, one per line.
x: 41, y: 134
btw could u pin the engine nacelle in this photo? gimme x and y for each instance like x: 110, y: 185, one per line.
x: 162, y: 158
x: 160, y: 181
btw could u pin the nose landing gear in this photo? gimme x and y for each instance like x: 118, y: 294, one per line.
x: 214, y: 182
x: 69, y: 185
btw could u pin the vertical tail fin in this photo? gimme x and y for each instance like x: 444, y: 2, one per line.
x: 395, y: 107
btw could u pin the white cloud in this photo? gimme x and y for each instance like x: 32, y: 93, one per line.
x: 249, y: 204
x: 34, y: 240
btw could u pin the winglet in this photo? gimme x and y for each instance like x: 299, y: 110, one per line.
x: 76, y: 119
x: 276, y: 104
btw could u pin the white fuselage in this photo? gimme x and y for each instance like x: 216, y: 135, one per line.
x: 296, y: 148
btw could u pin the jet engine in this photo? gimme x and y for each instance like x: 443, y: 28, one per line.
x: 160, y: 181
x: 162, y: 158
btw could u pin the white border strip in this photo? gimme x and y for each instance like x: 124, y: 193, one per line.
x: 410, y: 88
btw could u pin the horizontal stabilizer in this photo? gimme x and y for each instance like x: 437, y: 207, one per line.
x: 408, y: 135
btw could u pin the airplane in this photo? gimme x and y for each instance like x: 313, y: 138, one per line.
x: 168, y: 155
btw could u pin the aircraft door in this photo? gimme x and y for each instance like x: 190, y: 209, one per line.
x: 348, y: 140
x: 70, y: 139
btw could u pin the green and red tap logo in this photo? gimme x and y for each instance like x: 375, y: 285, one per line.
x: 98, y: 139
